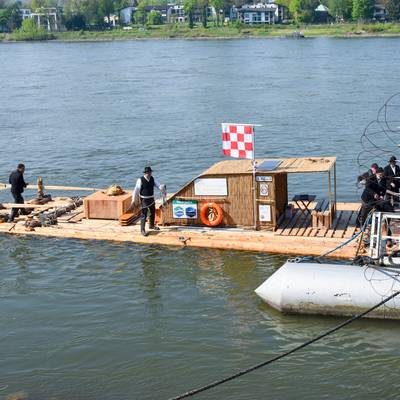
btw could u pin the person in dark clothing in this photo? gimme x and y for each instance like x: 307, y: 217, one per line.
x: 373, y: 196
x: 392, y: 171
x: 18, y: 185
x: 144, y: 189
x: 370, y: 173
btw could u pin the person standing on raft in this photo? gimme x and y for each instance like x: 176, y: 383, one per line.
x: 144, y: 190
x: 18, y: 185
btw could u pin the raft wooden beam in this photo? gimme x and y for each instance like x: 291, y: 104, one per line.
x: 4, y: 186
x: 294, y: 236
x: 229, y: 239
x: 15, y: 205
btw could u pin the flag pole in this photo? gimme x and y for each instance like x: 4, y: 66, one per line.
x: 254, y: 180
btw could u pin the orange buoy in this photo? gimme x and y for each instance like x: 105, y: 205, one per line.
x: 211, y: 214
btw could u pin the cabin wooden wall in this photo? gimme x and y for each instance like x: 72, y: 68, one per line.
x: 237, y: 205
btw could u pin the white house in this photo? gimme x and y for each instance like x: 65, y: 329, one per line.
x: 260, y: 13
x: 176, y: 13
x: 25, y: 13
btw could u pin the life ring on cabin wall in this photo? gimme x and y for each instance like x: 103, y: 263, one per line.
x: 211, y: 214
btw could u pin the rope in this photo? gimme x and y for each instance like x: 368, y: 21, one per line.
x: 287, y: 353
x: 361, y: 232
x: 363, y: 228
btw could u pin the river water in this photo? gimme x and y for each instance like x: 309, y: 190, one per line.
x: 93, y: 320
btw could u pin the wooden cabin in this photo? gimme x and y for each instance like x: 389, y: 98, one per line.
x: 230, y: 184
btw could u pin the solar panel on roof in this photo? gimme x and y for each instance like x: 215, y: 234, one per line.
x: 269, y: 165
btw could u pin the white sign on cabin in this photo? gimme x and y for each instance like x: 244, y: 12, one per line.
x: 263, y: 178
x: 264, y: 212
x: 264, y: 189
x: 211, y: 187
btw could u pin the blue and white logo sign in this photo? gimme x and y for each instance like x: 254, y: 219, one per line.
x: 184, y: 209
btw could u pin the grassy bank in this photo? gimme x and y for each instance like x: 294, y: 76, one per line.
x: 183, y: 31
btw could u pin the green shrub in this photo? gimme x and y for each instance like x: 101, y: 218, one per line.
x: 30, y: 31
x: 377, y: 27
x: 154, y: 18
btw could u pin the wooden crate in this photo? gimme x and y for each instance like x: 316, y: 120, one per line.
x: 101, y: 206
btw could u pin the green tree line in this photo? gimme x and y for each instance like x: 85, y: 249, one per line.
x: 80, y: 14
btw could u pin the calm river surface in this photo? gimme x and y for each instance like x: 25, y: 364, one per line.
x: 94, y: 320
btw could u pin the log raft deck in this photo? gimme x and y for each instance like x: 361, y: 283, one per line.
x: 286, y: 229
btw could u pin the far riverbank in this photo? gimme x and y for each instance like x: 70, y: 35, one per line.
x: 226, y: 32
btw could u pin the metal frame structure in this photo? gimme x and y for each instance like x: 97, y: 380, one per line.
x: 377, y: 248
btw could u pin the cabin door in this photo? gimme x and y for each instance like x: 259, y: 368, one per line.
x: 265, y: 202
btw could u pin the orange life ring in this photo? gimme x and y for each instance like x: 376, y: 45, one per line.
x: 211, y: 214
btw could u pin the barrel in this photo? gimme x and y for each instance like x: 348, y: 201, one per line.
x: 332, y: 289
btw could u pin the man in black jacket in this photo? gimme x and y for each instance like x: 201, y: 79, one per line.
x: 18, y: 185
x: 370, y: 173
x: 373, y: 196
x: 392, y: 171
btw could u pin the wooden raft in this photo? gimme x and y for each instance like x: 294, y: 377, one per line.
x: 295, y: 236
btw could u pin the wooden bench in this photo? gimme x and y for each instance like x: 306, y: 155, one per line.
x: 322, y: 215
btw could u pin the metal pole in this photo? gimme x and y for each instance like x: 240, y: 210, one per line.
x: 334, y: 184
x: 329, y: 195
x: 254, y: 180
x: 254, y: 194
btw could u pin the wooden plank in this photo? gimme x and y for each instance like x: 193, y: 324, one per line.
x: 351, y: 226
x: 322, y: 231
x: 348, y: 206
x: 342, y: 224
x: 4, y: 186
x: 302, y: 226
x: 77, y: 218
x: 335, y: 224
x: 292, y: 223
x: 283, y: 226
x: 37, y: 206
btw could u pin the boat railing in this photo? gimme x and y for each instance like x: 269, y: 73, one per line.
x: 384, y: 235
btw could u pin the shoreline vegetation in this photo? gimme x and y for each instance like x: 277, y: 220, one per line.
x: 182, y: 31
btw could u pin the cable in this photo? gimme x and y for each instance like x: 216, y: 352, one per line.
x: 287, y: 353
x: 381, y: 137
x: 361, y: 232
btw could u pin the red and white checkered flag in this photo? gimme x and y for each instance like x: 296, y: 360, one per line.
x: 238, y: 140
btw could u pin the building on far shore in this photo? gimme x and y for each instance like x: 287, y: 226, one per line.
x: 25, y: 13
x: 259, y: 14
x: 379, y: 13
x: 176, y: 13
x: 48, y: 18
x: 322, y: 14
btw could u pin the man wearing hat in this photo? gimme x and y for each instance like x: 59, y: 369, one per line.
x: 392, y: 171
x: 373, y: 196
x: 144, y: 190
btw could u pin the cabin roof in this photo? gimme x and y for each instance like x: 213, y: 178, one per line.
x: 288, y: 165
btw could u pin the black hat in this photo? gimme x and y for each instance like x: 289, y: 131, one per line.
x: 147, y: 169
x: 380, y: 170
x: 393, y: 159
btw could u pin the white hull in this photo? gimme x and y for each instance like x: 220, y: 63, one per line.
x: 331, y: 289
